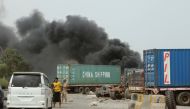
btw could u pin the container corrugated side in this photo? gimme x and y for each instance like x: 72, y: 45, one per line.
x: 63, y: 72
x: 167, y: 67
x: 89, y: 74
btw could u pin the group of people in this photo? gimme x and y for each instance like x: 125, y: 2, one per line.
x: 59, y: 91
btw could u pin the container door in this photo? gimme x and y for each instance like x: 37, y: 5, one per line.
x: 63, y: 72
x: 149, y: 68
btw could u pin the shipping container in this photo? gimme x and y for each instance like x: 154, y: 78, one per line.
x: 168, y: 69
x: 81, y: 77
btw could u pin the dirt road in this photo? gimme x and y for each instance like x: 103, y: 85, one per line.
x: 79, y: 101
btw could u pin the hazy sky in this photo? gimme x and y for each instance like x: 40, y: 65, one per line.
x: 144, y: 24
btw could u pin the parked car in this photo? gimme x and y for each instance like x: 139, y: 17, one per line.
x: 103, y: 91
x: 1, y: 98
x: 29, y: 90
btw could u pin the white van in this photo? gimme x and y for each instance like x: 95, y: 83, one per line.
x: 29, y: 90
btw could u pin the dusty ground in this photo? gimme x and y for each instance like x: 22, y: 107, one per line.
x: 79, y: 101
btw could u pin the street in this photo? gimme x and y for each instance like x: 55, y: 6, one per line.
x: 79, y: 101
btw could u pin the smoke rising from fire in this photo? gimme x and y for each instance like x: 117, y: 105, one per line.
x: 76, y: 40
x: 7, y: 36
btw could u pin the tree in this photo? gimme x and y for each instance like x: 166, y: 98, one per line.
x: 3, y: 70
x: 11, y: 61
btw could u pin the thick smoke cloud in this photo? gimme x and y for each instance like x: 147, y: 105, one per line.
x: 77, y: 40
x: 115, y: 53
x: 7, y: 36
x: 28, y: 24
x: 77, y: 37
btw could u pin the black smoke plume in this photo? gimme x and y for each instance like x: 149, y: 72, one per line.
x: 29, y: 24
x: 77, y: 40
x: 7, y: 36
x: 115, y: 53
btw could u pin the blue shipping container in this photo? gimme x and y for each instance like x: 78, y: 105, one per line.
x: 167, y: 67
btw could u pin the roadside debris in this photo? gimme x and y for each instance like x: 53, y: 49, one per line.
x: 102, y: 100
x: 91, y: 96
x: 91, y: 93
x: 70, y: 100
x: 94, y: 103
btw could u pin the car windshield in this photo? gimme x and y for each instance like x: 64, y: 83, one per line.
x: 26, y: 80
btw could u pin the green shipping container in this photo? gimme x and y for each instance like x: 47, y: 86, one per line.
x: 78, y: 74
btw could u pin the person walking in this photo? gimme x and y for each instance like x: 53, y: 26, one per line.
x: 64, y: 92
x: 57, y: 88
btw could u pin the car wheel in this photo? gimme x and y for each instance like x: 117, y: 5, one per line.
x: 112, y: 95
x: 81, y: 90
x: 118, y: 95
x: 98, y: 94
x: 87, y: 90
x: 183, y: 98
x: 134, y: 96
x: 170, y: 101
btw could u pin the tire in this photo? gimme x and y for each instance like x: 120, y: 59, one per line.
x: 118, y: 95
x: 81, y: 90
x: 170, y: 101
x: 183, y: 98
x: 112, y: 95
x: 76, y: 90
x: 98, y: 94
x: 127, y: 94
x: 87, y: 90
x: 134, y: 96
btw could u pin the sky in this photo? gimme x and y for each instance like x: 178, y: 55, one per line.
x: 143, y: 24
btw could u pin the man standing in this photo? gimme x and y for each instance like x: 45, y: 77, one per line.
x: 57, y: 88
x: 64, y: 92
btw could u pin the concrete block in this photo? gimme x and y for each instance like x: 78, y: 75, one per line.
x: 157, y: 106
x: 138, y: 105
x: 157, y: 99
